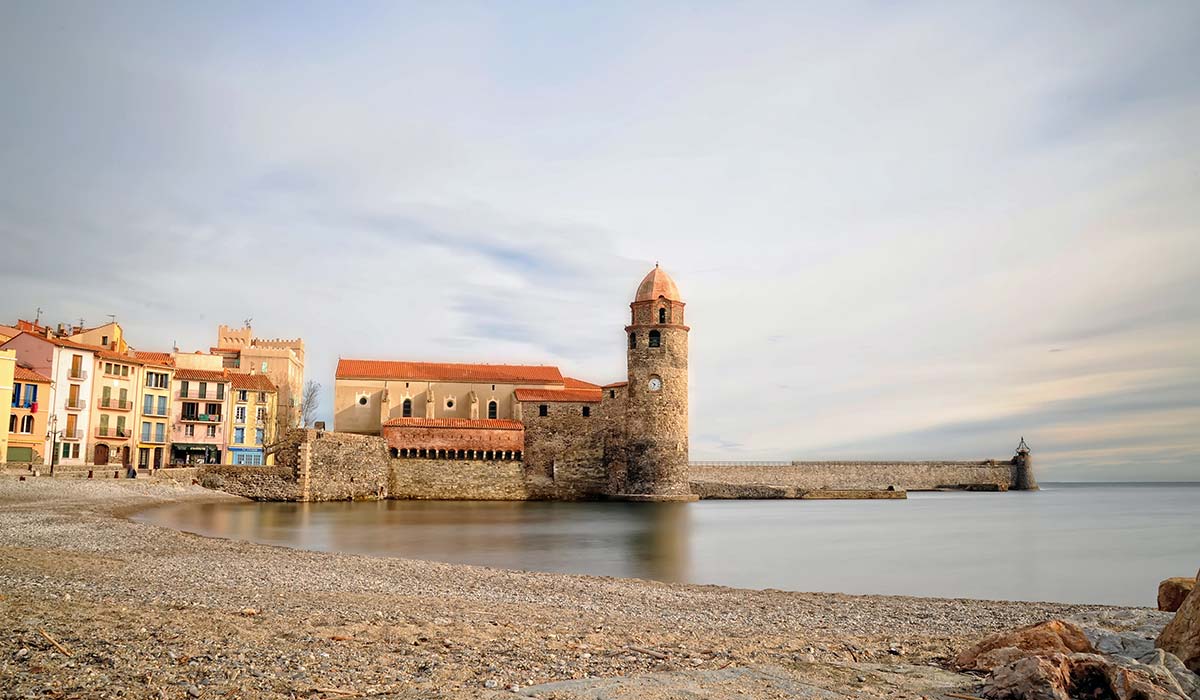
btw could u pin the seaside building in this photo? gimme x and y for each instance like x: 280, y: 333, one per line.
x: 627, y: 438
x: 27, y: 417
x: 109, y: 336
x: 251, y: 424
x: 198, y: 412
x: 69, y: 365
x: 8, y: 395
x: 153, y: 405
x: 117, y: 378
x: 280, y: 359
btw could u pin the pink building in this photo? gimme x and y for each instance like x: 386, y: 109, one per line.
x: 199, y: 405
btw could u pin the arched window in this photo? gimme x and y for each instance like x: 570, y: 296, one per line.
x: 407, y: 408
x: 655, y: 339
x: 12, y: 423
x: 493, y: 409
x: 662, y: 315
x: 632, y: 340
x: 27, y: 424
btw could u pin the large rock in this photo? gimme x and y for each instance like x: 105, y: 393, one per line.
x: 1173, y: 591
x: 1068, y: 676
x: 1181, y: 636
x: 1045, y: 638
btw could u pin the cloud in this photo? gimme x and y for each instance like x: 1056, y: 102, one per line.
x: 901, y: 230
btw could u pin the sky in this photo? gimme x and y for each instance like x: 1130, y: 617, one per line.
x: 906, y: 230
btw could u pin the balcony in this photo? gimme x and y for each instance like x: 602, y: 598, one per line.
x: 194, y: 395
x: 196, y: 434
x: 75, y: 434
x: 76, y: 405
x: 153, y: 412
x: 155, y: 440
x: 201, y: 418
x: 116, y: 404
x: 114, y: 433
x: 78, y: 374
x: 21, y: 404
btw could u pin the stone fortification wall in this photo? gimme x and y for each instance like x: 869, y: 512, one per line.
x: 566, y: 447
x: 342, y: 466
x: 472, y: 480
x: 255, y: 483
x: 813, y: 476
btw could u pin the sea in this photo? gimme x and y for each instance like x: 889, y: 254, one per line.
x: 1107, y: 543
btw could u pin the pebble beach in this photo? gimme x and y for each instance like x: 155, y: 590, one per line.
x: 93, y: 605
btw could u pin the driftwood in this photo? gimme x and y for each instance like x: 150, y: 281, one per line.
x: 52, y: 640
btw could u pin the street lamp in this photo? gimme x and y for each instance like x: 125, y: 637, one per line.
x: 52, y: 434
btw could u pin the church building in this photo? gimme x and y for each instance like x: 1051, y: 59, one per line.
x: 628, y: 439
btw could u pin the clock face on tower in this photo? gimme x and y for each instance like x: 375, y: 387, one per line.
x: 655, y: 384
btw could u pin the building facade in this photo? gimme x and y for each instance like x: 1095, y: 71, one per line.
x: 627, y: 439
x: 251, y: 425
x: 153, y: 406
x: 27, y: 417
x: 280, y: 359
x: 70, y: 368
x: 9, y: 395
x: 201, y: 402
x: 115, y: 388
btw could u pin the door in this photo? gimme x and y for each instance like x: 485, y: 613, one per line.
x: 125, y: 455
x: 101, y: 455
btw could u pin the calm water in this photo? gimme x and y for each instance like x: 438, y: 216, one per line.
x: 1095, y: 543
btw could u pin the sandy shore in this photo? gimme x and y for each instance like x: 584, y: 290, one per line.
x: 149, y: 612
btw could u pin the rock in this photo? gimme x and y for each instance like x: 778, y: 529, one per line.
x: 1002, y: 648
x: 1181, y: 636
x: 1189, y: 683
x: 1130, y: 644
x: 1063, y: 677
x: 1173, y: 591
x: 249, y: 612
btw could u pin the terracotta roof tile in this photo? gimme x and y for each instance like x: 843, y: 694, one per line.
x: 559, y: 395
x: 64, y: 343
x: 204, y: 375
x: 24, y: 374
x: 615, y: 385
x: 448, y: 372
x: 253, y: 382
x: 486, y: 423
x: 163, y: 359
x: 114, y: 355
x: 573, y: 383
x: 657, y: 283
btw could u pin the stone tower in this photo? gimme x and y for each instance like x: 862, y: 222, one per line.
x: 1022, y: 469
x: 656, y: 418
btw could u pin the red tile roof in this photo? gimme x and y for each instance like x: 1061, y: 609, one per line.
x: 559, y: 395
x: 163, y: 359
x: 615, y: 385
x: 114, y: 355
x: 573, y: 383
x: 448, y: 372
x: 485, y: 423
x: 253, y: 382
x: 204, y: 375
x: 25, y: 374
x: 64, y: 343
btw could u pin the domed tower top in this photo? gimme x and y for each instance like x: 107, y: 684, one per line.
x: 657, y: 284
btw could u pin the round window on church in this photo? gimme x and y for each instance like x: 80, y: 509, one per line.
x: 362, y: 401
x: 449, y: 403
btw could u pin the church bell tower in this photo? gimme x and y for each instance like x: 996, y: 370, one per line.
x: 656, y: 419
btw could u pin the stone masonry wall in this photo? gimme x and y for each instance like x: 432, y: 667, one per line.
x: 443, y: 479
x: 910, y: 476
x: 343, y: 467
x: 568, y: 448
x: 253, y: 482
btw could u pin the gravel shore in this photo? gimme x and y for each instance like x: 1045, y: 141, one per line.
x: 93, y: 605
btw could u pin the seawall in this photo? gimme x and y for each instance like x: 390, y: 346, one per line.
x: 989, y: 474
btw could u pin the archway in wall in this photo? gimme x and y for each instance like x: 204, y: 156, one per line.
x: 101, y: 457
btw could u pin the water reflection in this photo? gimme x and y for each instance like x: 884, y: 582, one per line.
x: 639, y: 540
x: 1095, y: 544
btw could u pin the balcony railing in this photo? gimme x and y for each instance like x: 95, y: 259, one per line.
x: 20, y: 403
x: 116, y: 404
x: 201, y: 418
x: 197, y: 395
x: 80, y: 374
x: 76, y: 405
x: 75, y: 434
x: 155, y: 440
x: 153, y: 411
x: 119, y: 433
x: 197, y: 433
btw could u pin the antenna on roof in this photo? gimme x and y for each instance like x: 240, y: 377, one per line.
x: 246, y: 321
x: 113, y: 317
x: 38, y: 317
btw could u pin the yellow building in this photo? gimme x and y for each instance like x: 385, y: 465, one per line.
x: 110, y: 336
x: 153, y: 409
x: 117, y: 377
x: 251, y: 424
x: 8, y: 368
x: 27, y: 421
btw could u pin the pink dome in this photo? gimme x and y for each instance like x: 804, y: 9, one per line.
x: 657, y: 284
